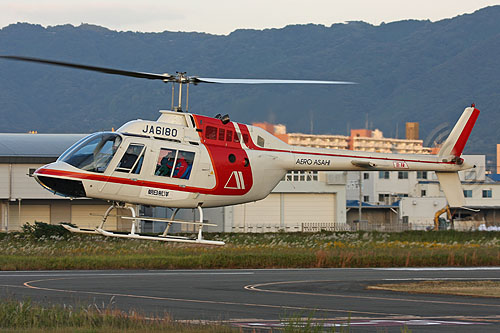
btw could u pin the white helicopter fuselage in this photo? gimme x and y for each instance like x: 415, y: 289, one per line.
x: 184, y: 160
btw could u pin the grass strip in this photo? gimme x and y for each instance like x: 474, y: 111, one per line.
x: 30, y: 317
x: 485, y: 288
x: 257, y: 258
x: 25, y: 251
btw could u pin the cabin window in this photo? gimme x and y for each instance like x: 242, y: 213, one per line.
x: 222, y: 134
x: 183, y: 164
x: 245, y: 138
x: 175, y: 164
x: 260, y: 141
x: 166, y: 162
x: 229, y: 136
x: 211, y: 133
x: 132, y: 159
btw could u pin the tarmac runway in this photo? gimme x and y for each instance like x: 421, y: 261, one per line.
x: 260, y: 299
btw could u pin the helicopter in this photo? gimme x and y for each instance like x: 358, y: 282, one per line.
x: 184, y: 160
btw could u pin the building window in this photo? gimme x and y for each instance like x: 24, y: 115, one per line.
x: 402, y: 174
x: 421, y: 174
x: 366, y: 175
x: 468, y: 193
x: 31, y: 171
x: 366, y: 198
x: 423, y: 193
x: 384, y: 198
x: 383, y: 174
x: 487, y: 194
x: 301, y: 176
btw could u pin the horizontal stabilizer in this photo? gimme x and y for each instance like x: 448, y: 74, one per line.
x: 452, y: 188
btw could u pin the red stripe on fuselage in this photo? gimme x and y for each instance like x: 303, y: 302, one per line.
x: 119, y: 180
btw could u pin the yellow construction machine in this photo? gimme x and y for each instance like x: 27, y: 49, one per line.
x: 441, y: 223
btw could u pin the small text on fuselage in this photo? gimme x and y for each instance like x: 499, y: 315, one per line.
x: 310, y: 161
x: 159, y: 130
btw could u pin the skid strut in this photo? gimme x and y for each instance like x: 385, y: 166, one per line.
x: 135, y: 227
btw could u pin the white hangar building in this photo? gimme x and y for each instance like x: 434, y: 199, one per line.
x: 23, y: 200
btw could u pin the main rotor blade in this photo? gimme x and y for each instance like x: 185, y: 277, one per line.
x: 142, y: 75
x: 266, y: 81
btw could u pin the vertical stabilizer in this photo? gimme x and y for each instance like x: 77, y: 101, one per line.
x: 454, y: 145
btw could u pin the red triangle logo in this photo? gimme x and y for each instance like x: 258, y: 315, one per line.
x: 232, y: 182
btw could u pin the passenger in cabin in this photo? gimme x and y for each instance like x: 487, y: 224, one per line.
x: 183, y: 165
x: 164, y: 168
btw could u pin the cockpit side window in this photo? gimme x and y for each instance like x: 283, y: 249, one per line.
x: 95, y: 153
x: 175, y: 164
x: 132, y: 159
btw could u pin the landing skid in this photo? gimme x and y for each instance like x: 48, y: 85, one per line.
x: 164, y: 237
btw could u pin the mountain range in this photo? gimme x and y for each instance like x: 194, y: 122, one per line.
x: 406, y: 71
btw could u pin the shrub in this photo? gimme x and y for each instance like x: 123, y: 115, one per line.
x: 45, y: 230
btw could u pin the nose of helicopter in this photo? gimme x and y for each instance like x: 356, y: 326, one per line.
x: 56, y: 178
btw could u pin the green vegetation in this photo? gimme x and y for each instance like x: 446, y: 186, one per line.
x: 484, y: 288
x: 30, y: 317
x: 43, y: 250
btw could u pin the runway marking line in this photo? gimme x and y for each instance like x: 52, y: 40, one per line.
x: 28, y: 284
x: 256, y: 287
x: 69, y: 275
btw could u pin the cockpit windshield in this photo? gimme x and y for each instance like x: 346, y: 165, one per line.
x: 94, y: 153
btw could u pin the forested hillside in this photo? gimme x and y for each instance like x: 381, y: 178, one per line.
x: 407, y: 71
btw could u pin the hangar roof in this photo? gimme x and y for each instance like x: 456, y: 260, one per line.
x: 34, y: 148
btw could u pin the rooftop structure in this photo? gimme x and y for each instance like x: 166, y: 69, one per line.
x: 34, y: 148
x: 359, y: 139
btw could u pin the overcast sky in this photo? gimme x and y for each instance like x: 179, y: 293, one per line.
x: 225, y: 16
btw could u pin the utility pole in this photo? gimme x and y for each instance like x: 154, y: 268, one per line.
x: 360, y: 197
